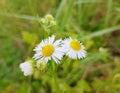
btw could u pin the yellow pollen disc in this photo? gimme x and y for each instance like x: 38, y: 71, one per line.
x: 74, y: 44
x: 47, y: 50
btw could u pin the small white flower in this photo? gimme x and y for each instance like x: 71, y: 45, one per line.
x: 74, y: 49
x: 26, y: 68
x: 48, y: 49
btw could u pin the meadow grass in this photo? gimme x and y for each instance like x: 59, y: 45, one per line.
x: 95, y: 22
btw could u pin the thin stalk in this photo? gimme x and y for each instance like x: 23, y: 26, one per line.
x: 26, y: 17
x: 63, y: 2
x: 67, y: 15
x: 79, y: 12
x: 54, y: 78
x: 101, y: 32
x: 30, y: 85
x: 108, y: 14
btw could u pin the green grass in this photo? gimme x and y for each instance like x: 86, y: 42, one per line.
x: 95, y: 22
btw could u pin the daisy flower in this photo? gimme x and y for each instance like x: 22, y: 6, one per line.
x: 73, y: 48
x: 48, y: 49
x: 26, y: 68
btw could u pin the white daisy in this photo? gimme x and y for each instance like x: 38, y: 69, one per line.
x: 74, y: 49
x: 26, y: 68
x: 48, y: 49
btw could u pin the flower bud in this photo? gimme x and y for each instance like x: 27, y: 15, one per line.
x: 43, y: 21
x: 41, y: 65
x: 49, y: 17
x: 52, y: 23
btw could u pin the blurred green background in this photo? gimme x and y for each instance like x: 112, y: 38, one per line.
x: 95, y: 22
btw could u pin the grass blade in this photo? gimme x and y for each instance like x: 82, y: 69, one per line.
x: 102, y: 32
x: 26, y: 17
x: 67, y: 14
x: 63, y: 2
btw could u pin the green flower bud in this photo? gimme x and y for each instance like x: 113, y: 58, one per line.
x: 52, y: 23
x: 41, y: 65
x: 49, y: 17
x: 43, y: 21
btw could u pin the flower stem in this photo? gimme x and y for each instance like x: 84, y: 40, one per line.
x: 30, y: 85
x: 54, y: 78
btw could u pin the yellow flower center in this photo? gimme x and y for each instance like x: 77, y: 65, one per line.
x: 47, y: 50
x: 74, y: 44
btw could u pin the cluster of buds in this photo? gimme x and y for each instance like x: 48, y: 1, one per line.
x: 48, y: 21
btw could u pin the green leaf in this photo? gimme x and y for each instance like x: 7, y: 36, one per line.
x: 83, y: 86
x: 24, y: 88
x: 29, y: 38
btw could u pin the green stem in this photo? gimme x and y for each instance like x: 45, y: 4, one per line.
x: 108, y: 14
x: 54, y: 78
x: 30, y: 85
